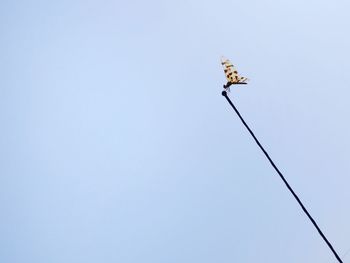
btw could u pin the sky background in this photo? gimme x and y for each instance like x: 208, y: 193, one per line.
x: 117, y: 146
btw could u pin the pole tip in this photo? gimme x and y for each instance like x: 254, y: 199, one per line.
x: 224, y: 93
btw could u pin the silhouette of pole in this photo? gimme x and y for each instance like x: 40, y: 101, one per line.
x: 224, y: 93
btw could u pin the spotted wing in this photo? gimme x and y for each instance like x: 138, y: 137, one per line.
x: 231, y: 73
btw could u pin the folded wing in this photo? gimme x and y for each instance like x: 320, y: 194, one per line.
x: 231, y: 73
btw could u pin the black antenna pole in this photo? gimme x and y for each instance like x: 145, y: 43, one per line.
x: 224, y: 93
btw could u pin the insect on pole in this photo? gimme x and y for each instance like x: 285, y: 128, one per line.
x: 233, y: 78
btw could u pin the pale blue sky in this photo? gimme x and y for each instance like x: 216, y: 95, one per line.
x: 117, y: 146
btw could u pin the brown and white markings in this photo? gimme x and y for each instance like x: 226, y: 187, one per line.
x: 231, y: 74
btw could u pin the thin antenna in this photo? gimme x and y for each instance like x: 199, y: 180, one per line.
x: 224, y: 93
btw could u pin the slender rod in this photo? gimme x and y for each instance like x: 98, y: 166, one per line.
x: 224, y: 93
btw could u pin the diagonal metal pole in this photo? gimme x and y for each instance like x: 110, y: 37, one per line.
x: 224, y: 93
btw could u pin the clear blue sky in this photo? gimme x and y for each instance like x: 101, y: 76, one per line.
x: 117, y: 146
